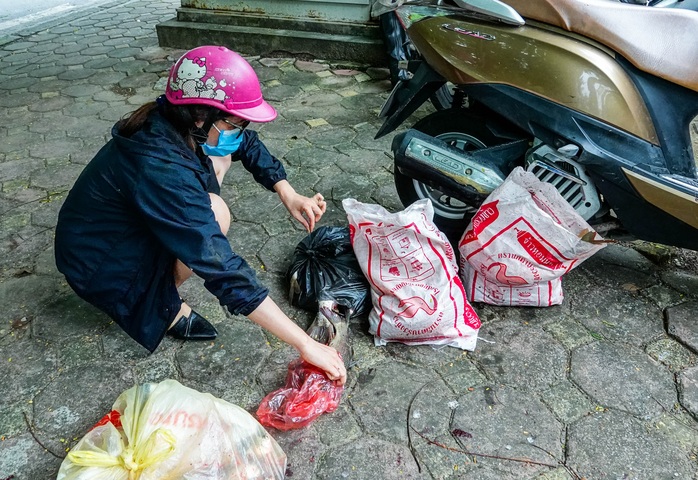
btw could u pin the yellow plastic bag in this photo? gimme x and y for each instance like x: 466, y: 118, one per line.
x: 166, y: 431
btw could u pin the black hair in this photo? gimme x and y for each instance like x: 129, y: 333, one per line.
x: 182, y: 117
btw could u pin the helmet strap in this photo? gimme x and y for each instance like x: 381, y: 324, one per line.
x: 200, y: 134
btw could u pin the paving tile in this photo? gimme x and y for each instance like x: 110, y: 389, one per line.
x: 19, y: 57
x: 514, y: 357
x: 619, y: 315
x: 688, y: 388
x: 310, y: 66
x: 615, y: 445
x: 12, y: 143
x: 61, y: 147
x: 379, y: 401
x: 280, y: 92
x: 138, y: 79
x: 624, y: 378
x: 92, y: 40
x: 43, y: 36
x: 81, y: 90
x: 96, y: 49
x: 23, y: 454
x: 18, y: 98
x: 107, y: 77
x: 131, y: 67
x: 316, y: 122
x: 17, y: 46
x: 220, y: 355
x: 60, y: 413
x: 84, y: 107
x: 71, y: 60
x: 43, y: 47
x: 115, y: 113
x: 672, y: 354
x: 681, y: 323
x: 487, y: 420
x: 567, y: 402
x: 123, y: 51
x: 14, y: 69
x: 70, y: 48
x: 367, y: 457
x: 77, y: 74
x: 683, y: 281
x: 12, y: 420
x: 20, y: 168
x: 49, y: 85
x: 27, y: 368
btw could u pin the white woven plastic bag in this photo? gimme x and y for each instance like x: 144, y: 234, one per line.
x: 520, y: 243
x: 411, y: 268
x: 159, y: 431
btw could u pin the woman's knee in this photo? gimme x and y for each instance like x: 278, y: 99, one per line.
x: 221, y: 212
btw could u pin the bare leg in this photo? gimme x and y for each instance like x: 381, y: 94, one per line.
x: 181, y: 271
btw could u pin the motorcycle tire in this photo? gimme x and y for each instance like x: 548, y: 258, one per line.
x: 465, y: 130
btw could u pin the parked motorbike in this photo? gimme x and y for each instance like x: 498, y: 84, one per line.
x: 594, y: 97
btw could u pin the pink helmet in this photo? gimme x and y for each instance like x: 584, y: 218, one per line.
x: 220, y: 78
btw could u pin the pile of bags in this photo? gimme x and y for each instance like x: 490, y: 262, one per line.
x: 520, y: 243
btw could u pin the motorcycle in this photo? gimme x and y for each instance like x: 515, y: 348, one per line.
x: 579, y: 93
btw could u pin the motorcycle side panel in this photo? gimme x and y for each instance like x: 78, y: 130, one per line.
x: 573, y: 72
x: 681, y: 205
x: 646, y: 220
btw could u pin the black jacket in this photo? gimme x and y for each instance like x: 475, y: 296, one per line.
x: 141, y: 203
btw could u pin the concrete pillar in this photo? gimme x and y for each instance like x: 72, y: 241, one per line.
x: 311, y: 29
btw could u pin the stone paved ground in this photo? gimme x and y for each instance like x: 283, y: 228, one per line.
x: 604, y: 386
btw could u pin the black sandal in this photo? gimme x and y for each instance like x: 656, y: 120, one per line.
x: 194, y: 327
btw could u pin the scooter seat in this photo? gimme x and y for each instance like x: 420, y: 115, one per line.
x: 660, y: 41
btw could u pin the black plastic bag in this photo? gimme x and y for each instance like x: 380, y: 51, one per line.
x: 324, y: 266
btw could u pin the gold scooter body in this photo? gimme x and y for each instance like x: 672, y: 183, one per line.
x: 586, y: 76
x: 567, y: 69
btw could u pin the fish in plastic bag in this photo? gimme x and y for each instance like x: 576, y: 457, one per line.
x: 308, y: 392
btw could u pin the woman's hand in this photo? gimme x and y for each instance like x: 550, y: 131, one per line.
x: 269, y: 316
x: 325, y: 358
x: 307, y: 210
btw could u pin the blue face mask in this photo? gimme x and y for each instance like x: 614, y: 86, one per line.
x: 229, y: 141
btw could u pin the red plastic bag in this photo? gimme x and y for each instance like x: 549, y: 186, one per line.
x: 308, y: 393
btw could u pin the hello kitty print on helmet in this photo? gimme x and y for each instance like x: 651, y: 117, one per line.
x: 220, y: 78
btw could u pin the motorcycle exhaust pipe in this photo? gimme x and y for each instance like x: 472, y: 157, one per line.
x: 468, y: 176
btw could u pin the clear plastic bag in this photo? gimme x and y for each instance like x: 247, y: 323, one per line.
x: 324, y: 263
x: 159, y: 431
